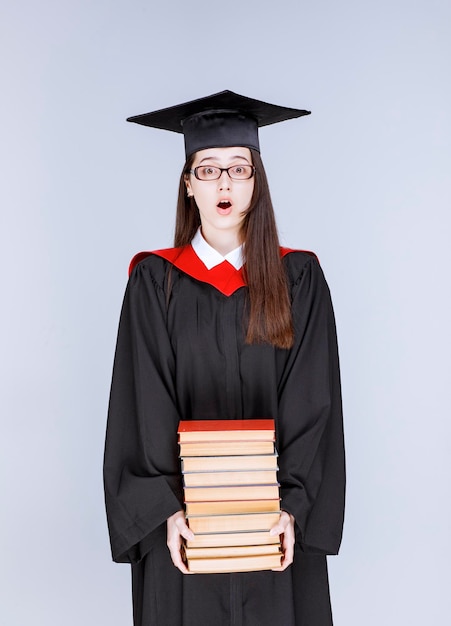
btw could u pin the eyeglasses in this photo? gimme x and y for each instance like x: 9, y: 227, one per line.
x: 235, y: 172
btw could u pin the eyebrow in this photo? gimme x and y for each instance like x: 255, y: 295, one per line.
x: 215, y: 158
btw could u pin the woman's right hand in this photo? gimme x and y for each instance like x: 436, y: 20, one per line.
x: 177, y: 528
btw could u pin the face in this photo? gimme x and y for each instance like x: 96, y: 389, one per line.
x: 223, y: 202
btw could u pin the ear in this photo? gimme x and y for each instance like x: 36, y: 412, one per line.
x: 189, y: 191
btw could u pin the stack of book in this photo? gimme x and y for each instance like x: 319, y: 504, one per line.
x: 231, y: 494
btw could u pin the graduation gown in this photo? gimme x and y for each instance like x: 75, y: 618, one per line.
x: 181, y: 354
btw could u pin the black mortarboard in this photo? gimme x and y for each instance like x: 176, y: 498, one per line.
x: 221, y: 120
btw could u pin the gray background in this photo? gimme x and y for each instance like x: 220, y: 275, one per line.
x: 364, y: 181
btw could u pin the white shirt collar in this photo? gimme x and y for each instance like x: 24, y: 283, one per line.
x: 211, y: 257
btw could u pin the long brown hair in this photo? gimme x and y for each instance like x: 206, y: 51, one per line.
x: 269, y: 319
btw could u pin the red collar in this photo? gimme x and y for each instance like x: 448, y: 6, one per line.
x: 224, y: 277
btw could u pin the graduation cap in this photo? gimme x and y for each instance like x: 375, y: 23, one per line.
x: 221, y: 120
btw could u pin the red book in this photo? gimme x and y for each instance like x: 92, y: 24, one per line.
x: 226, y: 430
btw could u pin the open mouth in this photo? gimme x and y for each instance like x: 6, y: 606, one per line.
x: 224, y: 204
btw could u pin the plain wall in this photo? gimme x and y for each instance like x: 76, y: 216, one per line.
x: 364, y: 182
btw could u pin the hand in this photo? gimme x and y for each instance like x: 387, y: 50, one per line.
x: 176, y: 529
x: 285, y: 528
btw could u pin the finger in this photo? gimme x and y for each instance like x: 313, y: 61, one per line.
x: 176, y: 557
x: 176, y: 529
x: 287, y: 544
x: 287, y: 560
x: 288, y: 549
x: 280, y: 527
x: 174, y: 544
x: 287, y: 556
x: 184, y: 529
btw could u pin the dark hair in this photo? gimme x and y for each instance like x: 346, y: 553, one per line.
x: 269, y: 316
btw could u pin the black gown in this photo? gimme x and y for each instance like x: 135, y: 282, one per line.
x: 181, y: 353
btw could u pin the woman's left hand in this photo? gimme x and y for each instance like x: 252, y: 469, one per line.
x: 285, y: 528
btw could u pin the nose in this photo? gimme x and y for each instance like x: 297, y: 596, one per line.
x: 224, y: 180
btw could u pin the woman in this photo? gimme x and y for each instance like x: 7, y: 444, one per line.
x: 224, y: 325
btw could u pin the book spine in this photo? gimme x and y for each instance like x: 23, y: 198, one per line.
x: 234, y: 564
x: 232, y: 523
x: 232, y: 506
x: 229, y: 463
x: 224, y: 551
x: 226, y: 448
x: 244, y: 492
x: 235, y: 478
x: 247, y: 538
x: 224, y: 425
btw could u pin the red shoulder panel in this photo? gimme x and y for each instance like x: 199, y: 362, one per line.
x: 285, y: 251
x: 140, y: 256
x: 223, y: 277
x: 170, y: 254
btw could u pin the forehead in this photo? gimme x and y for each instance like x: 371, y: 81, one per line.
x: 223, y: 155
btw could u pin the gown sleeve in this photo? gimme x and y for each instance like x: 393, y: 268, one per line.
x: 141, y: 468
x: 310, y: 438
